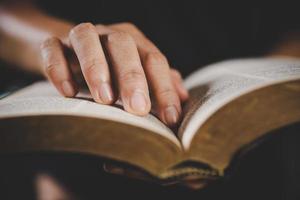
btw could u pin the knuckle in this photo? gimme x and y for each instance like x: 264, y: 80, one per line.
x: 49, y: 42
x: 155, y: 58
x: 50, y: 69
x: 128, y: 25
x: 89, y: 66
x: 166, y: 93
x: 131, y: 76
x: 91, y: 72
x: 176, y: 73
x: 82, y: 28
x: 119, y: 36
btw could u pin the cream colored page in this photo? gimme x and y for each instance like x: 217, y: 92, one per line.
x: 215, y: 85
x: 42, y: 99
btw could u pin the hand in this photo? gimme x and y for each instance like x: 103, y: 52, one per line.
x: 117, y: 53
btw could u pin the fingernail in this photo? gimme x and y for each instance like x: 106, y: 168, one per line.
x: 138, y: 102
x: 106, y: 93
x: 68, y: 88
x: 171, y: 115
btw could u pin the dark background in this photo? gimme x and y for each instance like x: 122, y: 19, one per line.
x: 191, y: 34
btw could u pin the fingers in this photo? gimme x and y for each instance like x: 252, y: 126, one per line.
x: 167, y: 100
x: 129, y: 72
x: 177, y: 81
x: 135, y: 62
x: 126, y: 64
x: 56, y: 67
x: 167, y: 89
x: 86, y: 44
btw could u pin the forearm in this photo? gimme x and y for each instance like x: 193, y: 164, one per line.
x: 22, y: 29
x: 289, y: 46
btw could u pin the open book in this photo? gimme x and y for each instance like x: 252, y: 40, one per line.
x: 232, y: 104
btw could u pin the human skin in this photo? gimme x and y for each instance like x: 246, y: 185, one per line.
x: 100, y: 55
x: 117, y: 55
x: 63, y: 51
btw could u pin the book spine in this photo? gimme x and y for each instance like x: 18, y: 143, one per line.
x: 199, y: 173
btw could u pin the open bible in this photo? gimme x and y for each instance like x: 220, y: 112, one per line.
x: 232, y: 105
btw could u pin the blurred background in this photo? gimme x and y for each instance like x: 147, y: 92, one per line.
x: 191, y: 34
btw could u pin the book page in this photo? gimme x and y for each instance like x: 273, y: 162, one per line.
x: 42, y: 98
x: 215, y: 85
